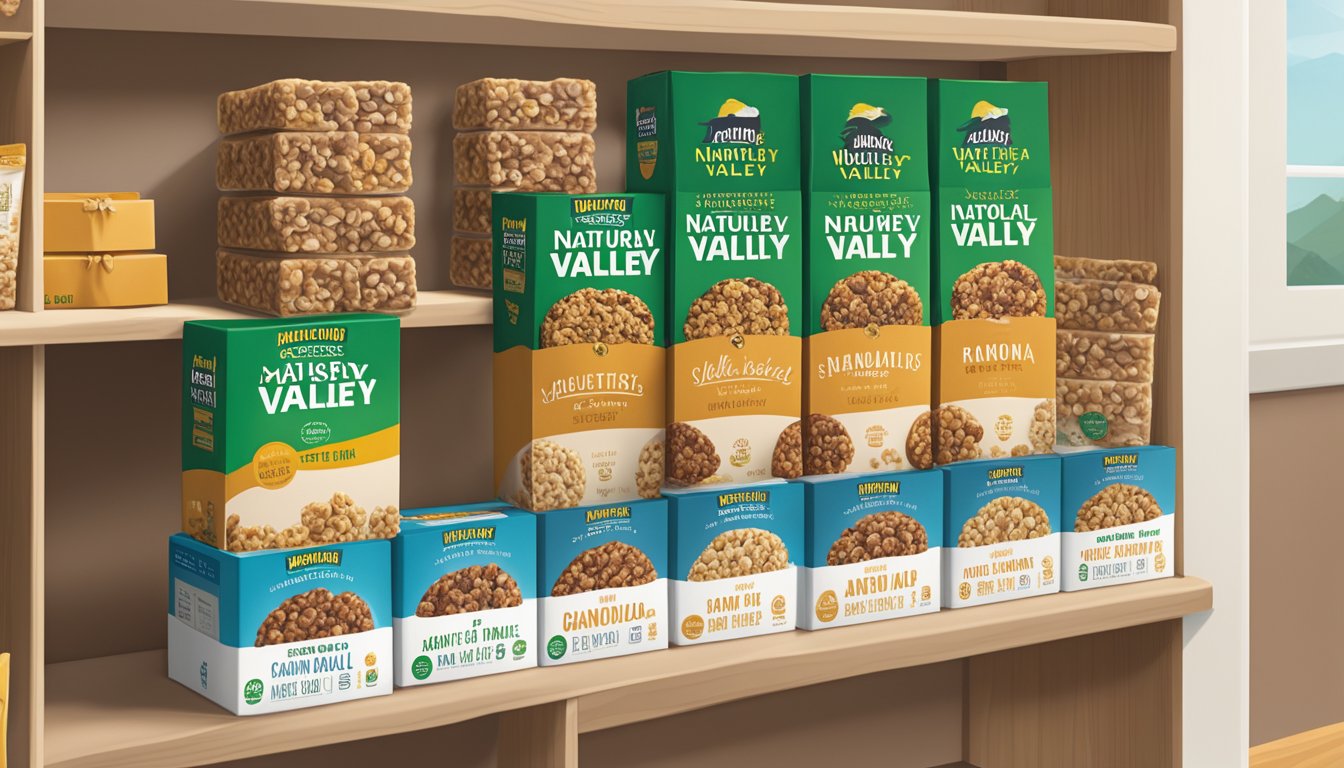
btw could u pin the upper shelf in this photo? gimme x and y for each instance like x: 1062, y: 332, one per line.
x: 78, y: 326
x: 122, y: 711
x: 702, y: 26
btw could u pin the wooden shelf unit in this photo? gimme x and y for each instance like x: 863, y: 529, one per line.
x: 88, y: 493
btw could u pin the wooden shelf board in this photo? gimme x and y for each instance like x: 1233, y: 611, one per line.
x: 708, y: 26
x: 77, y: 326
x: 122, y: 711
x: 14, y: 37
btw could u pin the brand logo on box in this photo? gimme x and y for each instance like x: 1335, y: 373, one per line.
x: 989, y: 126
x: 865, y: 151
x: 736, y: 123
x: 458, y: 535
x: 602, y: 211
x: 321, y: 557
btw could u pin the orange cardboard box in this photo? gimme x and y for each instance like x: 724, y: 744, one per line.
x: 97, y: 222
x: 80, y: 281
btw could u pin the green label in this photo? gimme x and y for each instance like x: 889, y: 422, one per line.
x: 1093, y: 425
x: 519, y: 648
x: 253, y: 690
x: 993, y: 200
x: 1082, y: 572
x: 549, y: 247
x: 867, y: 181
x: 712, y: 131
x: 556, y: 647
x: 718, y: 236
x: 303, y: 383
x: 421, y: 667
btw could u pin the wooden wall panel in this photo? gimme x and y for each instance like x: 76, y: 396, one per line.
x: 905, y: 718
x: 21, y: 545
x: 1096, y: 701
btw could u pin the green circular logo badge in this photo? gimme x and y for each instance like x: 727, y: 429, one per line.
x: 252, y: 690
x: 1082, y: 572
x: 519, y: 648
x: 1094, y: 425
x: 421, y: 667
x: 556, y: 647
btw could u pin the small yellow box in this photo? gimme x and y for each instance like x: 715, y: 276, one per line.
x: 81, y: 281
x: 97, y: 222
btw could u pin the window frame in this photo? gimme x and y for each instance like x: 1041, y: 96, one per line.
x: 1296, y: 333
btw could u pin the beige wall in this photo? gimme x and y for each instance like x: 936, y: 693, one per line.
x: 1297, y: 521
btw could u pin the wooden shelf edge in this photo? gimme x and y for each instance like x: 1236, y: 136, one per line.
x: 1320, y: 746
x: 771, y: 28
x: 122, y: 711
x: 80, y: 326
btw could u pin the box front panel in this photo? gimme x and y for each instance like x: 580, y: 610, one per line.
x: 867, y: 279
x: 994, y: 267
x: 1119, y: 516
x: 735, y: 561
x: 1001, y: 531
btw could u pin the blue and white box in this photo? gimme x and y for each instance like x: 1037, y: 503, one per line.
x: 603, y: 581
x: 1119, y: 516
x: 1001, y: 530
x: 873, y: 548
x: 273, y: 630
x: 464, y: 593
x: 735, y: 555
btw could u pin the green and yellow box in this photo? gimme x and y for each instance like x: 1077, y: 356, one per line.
x: 291, y: 430
x: 868, y: 307
x: 993, y: 269
x: 580, y: 350
x: 725, y: 149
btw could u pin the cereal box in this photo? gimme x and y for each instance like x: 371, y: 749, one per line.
x: 603, y: 581
x: 1119, y: 516
x: 873, y: 548
x: 579, y: 392
x: 464, y: 593
x: 725, y: 149
x: 1000, y: 530
x: 268, y: 631
x: 291, y: 430
x: 993, y: 267
x: 735, y: 555
x: 868, y: 303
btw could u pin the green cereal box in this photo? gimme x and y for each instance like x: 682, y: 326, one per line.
x: 1119, y: 516
x: 1000, y: 530
x: 291, y: 430
x: 735, y: 555
x: 602, y: 580
x: 873, y: 548
x: 269, y: 631
x: 464, y: 592
x: 868, y: 307
x: 580, y: 338
x: 724, y: 147
x: 993, y: 270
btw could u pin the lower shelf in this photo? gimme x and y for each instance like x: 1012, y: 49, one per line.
x: 123, y: 711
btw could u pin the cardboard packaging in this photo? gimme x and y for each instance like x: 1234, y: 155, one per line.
x: 873, y: 548
x: 291, y: 430
x: 869, y: 302
x: 724, y: 148
x: 464, y: 593
x: 1000, y: 530
x: 236, y: 634
x: 735, y: 555
x: 994, y: 270
x: 580, y: 352
x: 603, y: 585
x: 79, y: 281
x: 97, y: 222
x: 1119, y: 516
